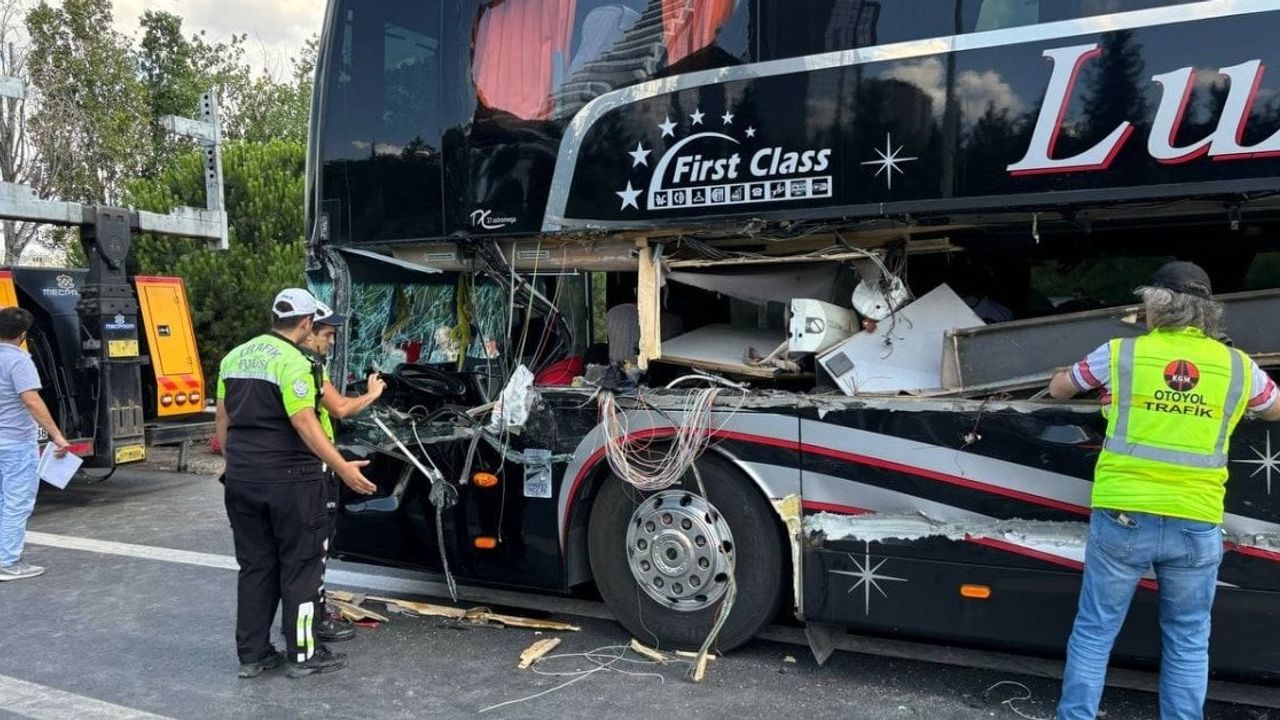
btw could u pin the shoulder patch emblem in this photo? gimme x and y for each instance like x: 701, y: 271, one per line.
x: 301, y: 388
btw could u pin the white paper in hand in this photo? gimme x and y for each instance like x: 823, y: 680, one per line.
x: 57, y: 471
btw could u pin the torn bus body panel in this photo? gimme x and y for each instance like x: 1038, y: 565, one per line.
x: 1025, y: 353
x: 909, y: 502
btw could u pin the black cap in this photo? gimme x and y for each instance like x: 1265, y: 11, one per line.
x: 1183, y: 277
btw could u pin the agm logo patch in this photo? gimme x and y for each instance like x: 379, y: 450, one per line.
x: 1181, y: 375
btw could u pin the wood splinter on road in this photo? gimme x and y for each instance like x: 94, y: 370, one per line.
x: 536, y: 651
x: 478, y: 615
x: 693, y: 655
x: 699, y: 670
x: 356, y: 613
x: 646, y: 651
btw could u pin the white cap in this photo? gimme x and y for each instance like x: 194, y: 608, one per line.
x: 326, y: 316
x: 293, y: 302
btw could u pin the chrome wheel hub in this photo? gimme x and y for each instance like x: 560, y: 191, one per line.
x: 680, y: 549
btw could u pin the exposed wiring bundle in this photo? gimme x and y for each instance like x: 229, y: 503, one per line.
x: 634, y: 457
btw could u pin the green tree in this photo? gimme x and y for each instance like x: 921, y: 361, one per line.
x: 276, y: 110
x: 231, y: 290
x: 18, y: 160
x: 176, y: 71
x: 92, y: 120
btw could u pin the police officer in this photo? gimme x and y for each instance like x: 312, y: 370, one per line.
x: 275, y: 490
x: 1176, y: 394
x: 332, y: 626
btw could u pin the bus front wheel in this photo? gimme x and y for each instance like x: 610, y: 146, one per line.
x: 662, y: 561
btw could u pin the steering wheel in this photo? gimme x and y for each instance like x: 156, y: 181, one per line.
x: 428, y: 380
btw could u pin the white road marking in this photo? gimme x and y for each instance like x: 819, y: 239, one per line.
x: 337, y: 574
x: 145, y: 552
x: 29, y: 700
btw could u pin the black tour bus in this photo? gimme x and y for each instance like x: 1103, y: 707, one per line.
x: 558, y: 184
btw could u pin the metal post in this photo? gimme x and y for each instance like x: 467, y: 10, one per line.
x: 207, y: 130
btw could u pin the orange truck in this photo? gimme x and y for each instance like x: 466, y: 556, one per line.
x: 152, y: 392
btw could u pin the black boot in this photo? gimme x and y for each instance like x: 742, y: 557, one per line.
x: 322, y: 661
x: 273, y: 660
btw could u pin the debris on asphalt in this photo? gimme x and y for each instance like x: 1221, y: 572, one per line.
x: 789, y: 659
x: 1023, y: 696
x: 699, y: 670
x: 475, y: 615
x: 611, y: 658
x: 485, y: 615
x: 537, y: 650
x: 693, y: 655
x: 645, y: 651
x: 356, y: 613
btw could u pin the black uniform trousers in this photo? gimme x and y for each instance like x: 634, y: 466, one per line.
x: 333, y: 491
x: 280, y: 529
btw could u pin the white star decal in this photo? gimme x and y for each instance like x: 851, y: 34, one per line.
x: 867, y: 577
x: 668, y: 127
x: 628, y: 197
x: 1267, y: 461
x: 751, y: 132
x: 697, y: 116
x: 727, y: 118
x: 639, y: 156
x: 889, y: 160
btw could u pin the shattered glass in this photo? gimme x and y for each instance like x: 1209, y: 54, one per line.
x: 390, y: 322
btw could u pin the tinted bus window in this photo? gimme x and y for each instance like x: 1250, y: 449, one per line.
x: 545, y: 59
x: 791, y: 29
x: 381, y: 126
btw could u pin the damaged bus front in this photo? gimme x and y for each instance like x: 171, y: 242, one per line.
x: 727, y: 306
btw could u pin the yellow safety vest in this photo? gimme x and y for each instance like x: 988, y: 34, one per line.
x: 1176, y: 396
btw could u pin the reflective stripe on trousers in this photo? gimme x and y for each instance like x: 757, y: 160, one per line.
x: 306, y: 612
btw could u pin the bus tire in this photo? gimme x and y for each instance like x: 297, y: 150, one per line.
x: 759, y: 560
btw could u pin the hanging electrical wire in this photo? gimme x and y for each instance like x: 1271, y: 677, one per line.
x: 638, y: 462
x: 496, y: 266
x: 726, y: 605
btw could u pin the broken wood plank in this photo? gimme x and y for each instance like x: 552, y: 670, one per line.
x: 355, y: 613
x: 693, y: 655
x: 478, y: 615
x: 537, y: 650
x: 648, y: 652
x: 420, y: 608
x: 699, y: 670
x: 648, y: 305
x: 530, y: 623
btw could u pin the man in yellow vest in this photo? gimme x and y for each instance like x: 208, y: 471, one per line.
x: 1175, y: 395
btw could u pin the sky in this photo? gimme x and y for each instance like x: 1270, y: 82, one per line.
x: 276, y: 28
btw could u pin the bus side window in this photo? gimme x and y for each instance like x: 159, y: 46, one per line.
x: 522, y: 55
x: 1051, y: 11
x: 997, y: 14
x: 690, y: 25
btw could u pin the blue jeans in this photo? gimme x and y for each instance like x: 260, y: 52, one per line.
x: 1122, y: 547
x: 17, y: 496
